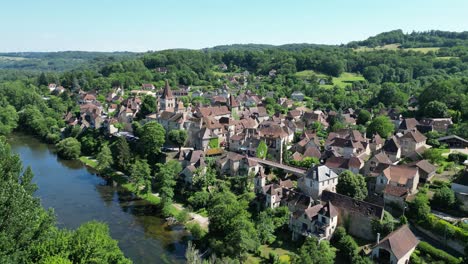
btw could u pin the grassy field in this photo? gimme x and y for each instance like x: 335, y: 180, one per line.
x: 7, y: 58
x: 397, y: 47
x: 423, y: 50
x: 88, y: 161
x: 385, y: 47
x: 284, y: 255
x: 345, y: 78
x: 308, y: 73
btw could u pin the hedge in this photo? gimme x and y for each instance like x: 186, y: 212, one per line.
x: 436, y: 254
x: 444, y: 228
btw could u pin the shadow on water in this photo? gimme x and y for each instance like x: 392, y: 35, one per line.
x: 78, y: 195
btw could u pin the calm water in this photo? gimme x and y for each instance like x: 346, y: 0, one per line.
x: 77, y: 195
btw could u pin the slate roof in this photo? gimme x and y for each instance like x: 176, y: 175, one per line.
x: 352, y: 205
x: 399, y: 242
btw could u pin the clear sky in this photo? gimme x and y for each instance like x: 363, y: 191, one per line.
x: 141, y: 25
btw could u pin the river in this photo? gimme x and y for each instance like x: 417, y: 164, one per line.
x: 77, y: 195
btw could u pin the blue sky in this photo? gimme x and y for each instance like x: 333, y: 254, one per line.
x: 141, y: 25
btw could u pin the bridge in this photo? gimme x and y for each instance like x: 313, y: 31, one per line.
x: 296, y: 171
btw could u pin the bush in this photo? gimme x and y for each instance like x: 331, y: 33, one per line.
x: 69, y: 148
x: 457, y: 157
x: 197, y: 232
x: 428, y: 251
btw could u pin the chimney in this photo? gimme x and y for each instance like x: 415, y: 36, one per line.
x: 378, y: 238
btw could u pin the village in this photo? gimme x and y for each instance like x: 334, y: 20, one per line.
x: 288, y: 159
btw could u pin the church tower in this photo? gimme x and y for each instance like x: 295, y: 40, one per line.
x: 167, y: 100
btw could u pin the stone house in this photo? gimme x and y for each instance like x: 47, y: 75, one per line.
x: 396, y: 175
x: 297, y: 96
x: 392, y: 149
x: 318, y: 220
x: 425, y: 168
x: 396, y: 248
x: 412, y: 142
x: 340, y: 164
x: 318, y: 179
x: 374, y: 162
x: 356, y: 215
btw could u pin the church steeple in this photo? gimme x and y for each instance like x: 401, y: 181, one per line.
x: 167, y: 92
x: 167, y: 100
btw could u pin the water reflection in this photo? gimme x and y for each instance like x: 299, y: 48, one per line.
x: 78, y: 195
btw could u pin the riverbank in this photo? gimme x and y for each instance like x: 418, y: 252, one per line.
x: 175, y: 210
x: 77, y: 195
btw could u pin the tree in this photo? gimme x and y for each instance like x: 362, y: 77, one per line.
x: 152, y: 137
x: 312, y: 252
x: 231, y: 231
x: 352, y: 185
x: 213, y: 143
x: 363, y: 117
x: 373, y: 74
x: 42, y: 79
x: 434, y: 155
x: 69, y: 148
x: 381, y: 125
x: 444, y: 198
x: 390, y: 95
x: 122, y: 154
x: 384, y: 226
x: 436, y: 109
x: 269, y: 221
x: 419, y: 208
x: 148, y: 106
x: 262, y: 150
x: 347, y: 247
x: 165, y: 180
x: 104, y: 159
x: 178, y: 137
x: 91, y: 243
x: 141, y: 176
x: 8, y: 119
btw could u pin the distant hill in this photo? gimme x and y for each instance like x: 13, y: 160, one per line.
x: 257, y: 47
x: 432, y: 38
x: 59, y: 61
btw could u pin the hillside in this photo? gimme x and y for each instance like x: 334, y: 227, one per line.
x: 432, y: 38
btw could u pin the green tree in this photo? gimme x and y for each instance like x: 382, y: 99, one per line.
x: 384, y: 226
x: 69, y: 148
x: 8, y: 119
x: 231, y: 231
x: 91, y: 243
x: 269, y: 221
x: 373, y: 74
x: 444, y: 198
x: 141, y: 176
x: 363, y: 117
x: 313, y: 252
x: 381, y: 125
x: 148, y: 106
x: 262, y: 150
x: 352, y: 185
x: 122, y: 154
x: 165, y: 180
x: 104, y: 159
x: 419, y: 208
x: 390, y: 95
x: 436, y: 109
x: 152, y: 137
x: 213, y: 143
x: 178, y: 137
